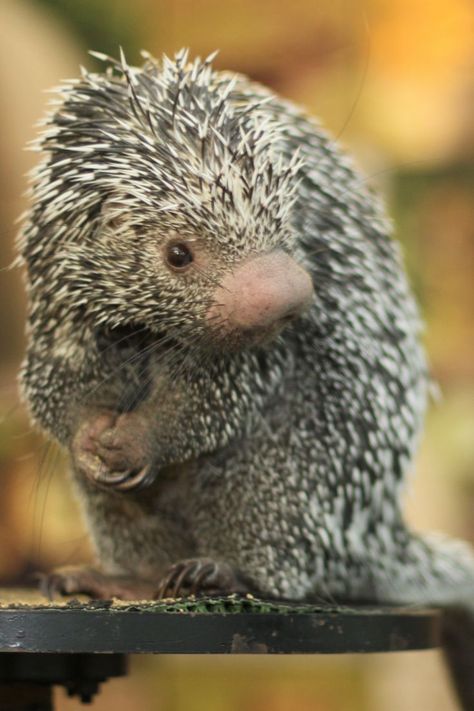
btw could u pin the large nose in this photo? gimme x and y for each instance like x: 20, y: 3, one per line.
x: 262, y: 292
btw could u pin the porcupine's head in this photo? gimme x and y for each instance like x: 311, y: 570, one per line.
x: 163, y: 202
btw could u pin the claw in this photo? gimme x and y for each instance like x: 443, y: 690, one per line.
x: 47, y: 584
x: 206, y: 571
x: 121, y: 480
x: 186, y: 570
x: 135, y: 479
x: 166, y: 582
x: 191, y: 577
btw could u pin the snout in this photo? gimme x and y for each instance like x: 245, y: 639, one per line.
x: 261, y: 295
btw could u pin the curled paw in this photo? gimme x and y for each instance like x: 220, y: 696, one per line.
x: 111, y: 450
x: 199, y: 575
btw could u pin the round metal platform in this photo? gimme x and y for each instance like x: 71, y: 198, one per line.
x: 211, y: 625
x: 79, y: 644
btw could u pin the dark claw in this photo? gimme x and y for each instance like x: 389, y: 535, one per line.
x: 187, y: 571
x: 200, y: 575
x: 207, y: 571
x: 166, y: 582
x: 122, y: 480
x: 49, y: 585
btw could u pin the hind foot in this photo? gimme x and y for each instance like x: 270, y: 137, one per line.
x: 199, y: 576
x: 71, y: 580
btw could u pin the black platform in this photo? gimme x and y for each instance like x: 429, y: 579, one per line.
x: 79, y: 644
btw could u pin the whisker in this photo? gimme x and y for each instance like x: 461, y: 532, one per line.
x: 365, y: 70
x: 56, y: 454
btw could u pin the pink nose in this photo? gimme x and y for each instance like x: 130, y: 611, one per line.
x: 263, y: 291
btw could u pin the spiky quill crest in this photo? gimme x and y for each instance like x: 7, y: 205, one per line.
x: 170, y: 148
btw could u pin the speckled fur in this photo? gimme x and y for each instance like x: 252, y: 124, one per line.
x: 286, y: 461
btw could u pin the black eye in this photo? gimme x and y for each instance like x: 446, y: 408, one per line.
x: 178, y: 255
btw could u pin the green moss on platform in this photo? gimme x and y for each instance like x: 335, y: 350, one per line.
x: 231, y: 604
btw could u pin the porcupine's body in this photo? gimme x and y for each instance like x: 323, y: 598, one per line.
x: 281, y: 460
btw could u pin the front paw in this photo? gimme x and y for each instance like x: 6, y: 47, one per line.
x: 199, y: 576
x: 112, y: 450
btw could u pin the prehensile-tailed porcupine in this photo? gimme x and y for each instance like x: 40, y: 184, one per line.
x: 221, y: 333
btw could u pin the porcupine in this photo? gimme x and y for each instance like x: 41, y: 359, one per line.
x: 221, y: 334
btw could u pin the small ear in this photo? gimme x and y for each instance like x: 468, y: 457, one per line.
x: 114, y: 215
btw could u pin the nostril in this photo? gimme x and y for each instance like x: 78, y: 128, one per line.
x: 288, y: 317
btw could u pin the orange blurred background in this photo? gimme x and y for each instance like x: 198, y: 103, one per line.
x: 394, y: 82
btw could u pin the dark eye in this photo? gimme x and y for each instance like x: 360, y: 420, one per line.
x: 178, y: 255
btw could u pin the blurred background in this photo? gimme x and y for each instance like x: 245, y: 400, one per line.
x: 394, y: 82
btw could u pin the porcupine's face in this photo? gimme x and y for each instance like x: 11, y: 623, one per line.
x: 191, y: 235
